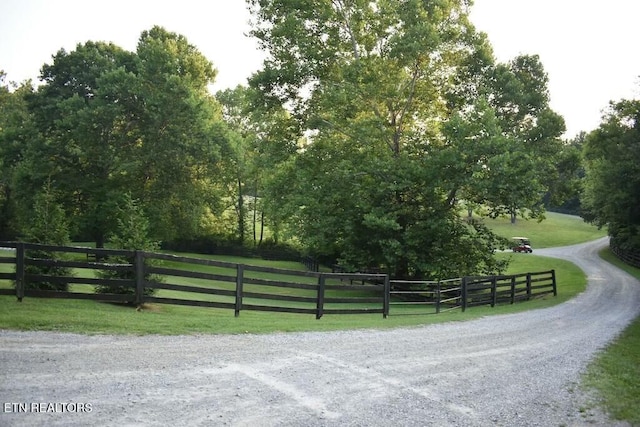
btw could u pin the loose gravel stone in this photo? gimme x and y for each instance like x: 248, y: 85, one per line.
x: 506, y: 370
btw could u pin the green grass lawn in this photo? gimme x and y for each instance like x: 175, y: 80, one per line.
x: 571, y: 280
x: 556, y: 230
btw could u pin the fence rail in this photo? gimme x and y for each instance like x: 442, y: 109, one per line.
x: 470, y: 291
x: 194, y: 282
x: 201, y: 282
x: 630, y: 257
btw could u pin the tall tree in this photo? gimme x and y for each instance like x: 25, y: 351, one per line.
x: 181, y: 132
x: 264, y: 137
x: 112, y: 121
x: 612, y: 184
x: 16, y: 130
x: 238, y: 159
x: 84, y: 116
x: 564, y: 194
x: 368, y: 80
x: 518, y: 91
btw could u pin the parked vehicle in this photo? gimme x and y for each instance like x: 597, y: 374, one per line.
x: 522, y: 244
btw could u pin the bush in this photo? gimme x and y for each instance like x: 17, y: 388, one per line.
x: 132, y: 234
x: 48, y: 226
x: 220, y: 245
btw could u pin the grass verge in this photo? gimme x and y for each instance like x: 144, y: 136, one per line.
x: 615, y: 373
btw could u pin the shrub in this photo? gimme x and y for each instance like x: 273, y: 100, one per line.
x: 132, y: 234
x: 48, y: 225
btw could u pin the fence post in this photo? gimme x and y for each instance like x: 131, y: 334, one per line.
x: 239, y: 281
x: 320, y: 301
x: 20, y: 285
x: 139, y: 269
x: 553, y: 281
x: 463, y: 292
x: 513, y: 289
x: 528, y: 286
x: 438, y: 296
x: 494, y: 291
x: 386, y: 297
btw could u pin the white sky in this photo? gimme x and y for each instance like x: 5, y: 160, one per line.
x: 588, y: 47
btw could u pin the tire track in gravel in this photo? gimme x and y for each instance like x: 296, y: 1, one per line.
x: 506, y: 370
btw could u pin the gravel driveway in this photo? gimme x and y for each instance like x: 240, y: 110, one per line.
x: 507, y: 370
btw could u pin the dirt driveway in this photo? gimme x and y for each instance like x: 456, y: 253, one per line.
x: 508, y: 370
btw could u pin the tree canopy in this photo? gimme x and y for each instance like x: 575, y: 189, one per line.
x: 612, y: 186
x: 370, y: 131
x: 110, y: 122
x: 406, y: 115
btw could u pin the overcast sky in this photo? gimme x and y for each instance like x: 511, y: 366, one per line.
x: 588, y: 47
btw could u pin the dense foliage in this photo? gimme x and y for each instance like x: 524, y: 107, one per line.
x: 612, y: 161
x: 406, y: 117
x: 106, y: 122
x: 373, y: 132
x: 48, y: 225
x: 132, y: 233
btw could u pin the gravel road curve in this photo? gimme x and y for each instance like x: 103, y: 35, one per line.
x: 507, y: 370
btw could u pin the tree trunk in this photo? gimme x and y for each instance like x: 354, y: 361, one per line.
x: 255, y: 207
x: 261, y: 226
x: 255, y: 211
x: 241, y: 225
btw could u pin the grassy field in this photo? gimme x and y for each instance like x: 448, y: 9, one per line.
x: 615, y: 373
x: 556, y: 230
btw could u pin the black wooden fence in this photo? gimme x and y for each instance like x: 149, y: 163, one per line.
x: 442, y: 295
x: 202, y: 282
x: 630, y: 257
x: 472, y: 291
x: 208, y: 283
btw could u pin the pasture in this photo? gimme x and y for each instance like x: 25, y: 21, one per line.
x: 556, y: 230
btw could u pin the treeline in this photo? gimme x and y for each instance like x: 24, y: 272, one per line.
x: 106, y: 124
x: 369, y: 134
